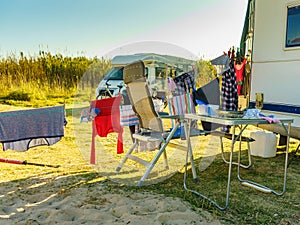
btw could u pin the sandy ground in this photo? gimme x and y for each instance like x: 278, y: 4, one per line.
x: 52, y: 198
x: 59, y: 200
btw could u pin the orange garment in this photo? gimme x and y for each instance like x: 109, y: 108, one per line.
x: 239, y: 70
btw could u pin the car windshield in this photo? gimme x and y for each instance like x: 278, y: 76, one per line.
x: 114, y: 74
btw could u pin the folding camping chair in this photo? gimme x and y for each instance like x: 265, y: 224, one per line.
x: 151, y: 126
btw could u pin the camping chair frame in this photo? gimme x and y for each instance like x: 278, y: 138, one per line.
x: 151, y: 126
x: 162, y: 149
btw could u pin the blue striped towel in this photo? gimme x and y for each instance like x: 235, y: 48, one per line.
x: 24, y: 129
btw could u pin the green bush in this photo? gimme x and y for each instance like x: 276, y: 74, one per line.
x: 18, y: 96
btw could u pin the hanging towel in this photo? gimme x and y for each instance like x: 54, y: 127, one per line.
x: 24, y: 129
x: 181, y: 104
x: 128, y: 116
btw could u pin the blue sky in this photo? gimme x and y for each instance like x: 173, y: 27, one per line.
x: 204, y: 28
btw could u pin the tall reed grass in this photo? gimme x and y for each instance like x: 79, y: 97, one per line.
x: 47, y: 76
x: 46, y: 79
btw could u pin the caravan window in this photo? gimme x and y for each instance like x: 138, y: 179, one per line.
x: 114, y: 74
x: 293, y: 27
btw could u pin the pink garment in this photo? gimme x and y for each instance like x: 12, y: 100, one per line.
x: 269, y: 119
x: 171, y: 84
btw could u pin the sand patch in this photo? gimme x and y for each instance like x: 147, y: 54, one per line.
x: 52, y: 203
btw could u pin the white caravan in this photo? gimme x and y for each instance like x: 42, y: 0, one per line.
x: 271, y: 38
x: 158, y: 68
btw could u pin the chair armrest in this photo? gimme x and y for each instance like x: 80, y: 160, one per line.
x: 162, y: 113
x: 172, y: 117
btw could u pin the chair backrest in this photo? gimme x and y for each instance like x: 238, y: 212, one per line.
x: 140, y: 97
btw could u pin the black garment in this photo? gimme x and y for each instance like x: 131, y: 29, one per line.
x: 229, y: 90
x: 209, y: 93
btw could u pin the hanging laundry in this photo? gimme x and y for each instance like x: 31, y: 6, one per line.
x: 128, y: 116
x: 239, y: 70
x: 108, y: 120
x: 209, y: 94
x: 246, y: 82
x: 181, y: 104
x: 88, y: 114
x: 229, y: 91
x: 171, y: 84
x: 185, y: 82
x: 24, y: 129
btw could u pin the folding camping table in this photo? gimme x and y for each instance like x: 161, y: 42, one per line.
x: 242, y: 124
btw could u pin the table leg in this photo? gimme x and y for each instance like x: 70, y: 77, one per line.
x: 264, y: 188
x: 239, y: 136
x: 189, y: 151
x: 187, y: 130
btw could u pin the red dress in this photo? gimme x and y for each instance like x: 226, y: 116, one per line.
x: 239, y: 69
